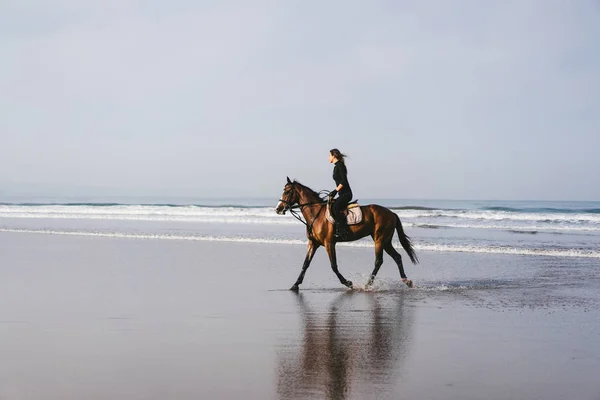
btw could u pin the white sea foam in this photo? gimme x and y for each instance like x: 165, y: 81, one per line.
x: 510, y: 250
x: 524, y: 228
x: 258, y: 215
x: 472, y: 219
x: 156, y: 236
x: 362, y: 243
x: 500, y: 215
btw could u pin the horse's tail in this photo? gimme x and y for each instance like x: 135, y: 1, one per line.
x: 405, y: 241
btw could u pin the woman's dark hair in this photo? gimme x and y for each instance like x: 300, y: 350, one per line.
x: 338, y: 154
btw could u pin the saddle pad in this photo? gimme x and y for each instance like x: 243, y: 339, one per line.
x: 354, y: 215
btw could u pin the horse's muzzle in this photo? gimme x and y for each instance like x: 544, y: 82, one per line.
x: 281, y: 208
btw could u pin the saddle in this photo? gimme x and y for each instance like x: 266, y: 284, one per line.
x: 352, y: 212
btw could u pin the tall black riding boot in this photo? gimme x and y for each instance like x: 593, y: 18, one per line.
x: 341, y: 226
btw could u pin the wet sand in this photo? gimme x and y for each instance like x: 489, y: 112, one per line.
x: 97, y: 318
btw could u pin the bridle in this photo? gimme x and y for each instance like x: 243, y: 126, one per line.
x: 292, y: 209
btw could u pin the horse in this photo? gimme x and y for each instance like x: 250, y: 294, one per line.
x: 379, y: 222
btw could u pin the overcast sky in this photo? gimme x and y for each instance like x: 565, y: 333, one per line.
x: 431, y: 99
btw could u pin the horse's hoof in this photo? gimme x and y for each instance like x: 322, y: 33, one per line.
x: 349, y: 284
x: 409, y: 283
x: 294, y: 288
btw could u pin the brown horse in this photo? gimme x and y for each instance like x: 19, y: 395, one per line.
x: 378, y: 222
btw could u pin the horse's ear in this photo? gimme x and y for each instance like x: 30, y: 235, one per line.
x: 288, y: 179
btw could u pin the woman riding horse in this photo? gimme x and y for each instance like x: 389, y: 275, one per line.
x: 343, y: 190
x: 378, y: 222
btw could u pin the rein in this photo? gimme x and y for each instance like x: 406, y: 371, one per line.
x: 295, y: 214
x: 299, y: 217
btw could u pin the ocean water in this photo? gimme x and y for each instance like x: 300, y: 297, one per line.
x: 536, y: 228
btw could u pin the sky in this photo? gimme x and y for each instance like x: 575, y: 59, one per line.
x: 462, y: 99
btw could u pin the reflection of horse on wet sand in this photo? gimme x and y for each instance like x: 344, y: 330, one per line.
x: 345, y: 350
x: 378, y: 222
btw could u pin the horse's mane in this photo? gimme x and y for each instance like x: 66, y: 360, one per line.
x: 306, y: 188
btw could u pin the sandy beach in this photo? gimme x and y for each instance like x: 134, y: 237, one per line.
x: 99, y: 318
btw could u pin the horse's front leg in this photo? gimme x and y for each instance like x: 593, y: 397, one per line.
x: 312, y: 248
x: 330, y: 246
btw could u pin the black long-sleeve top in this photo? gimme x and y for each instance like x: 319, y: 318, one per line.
x: 340, y: 175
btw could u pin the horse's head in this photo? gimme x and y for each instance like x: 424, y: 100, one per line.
x: 288, y: 198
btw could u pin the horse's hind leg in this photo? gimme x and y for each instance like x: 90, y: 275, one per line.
x: 389, y: 248
x: 378, y: 261
x: 330, y: 246
x: 312, y: 248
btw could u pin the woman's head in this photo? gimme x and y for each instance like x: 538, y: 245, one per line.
x: 336, y: 155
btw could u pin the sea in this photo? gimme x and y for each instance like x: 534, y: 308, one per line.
x: 536, y: 228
